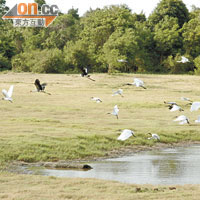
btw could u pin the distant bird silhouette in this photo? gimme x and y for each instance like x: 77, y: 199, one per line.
x: 154, y: 136
x: 126, y: 133
x: 183, y: 60
x: 40, y: 87
x: 115, y: 111
x: 182, y: 119
x: 118, y: 92
x: 85, y: 73
x: 8, y: 95
x: 138, y: 83
x: 98, y: 100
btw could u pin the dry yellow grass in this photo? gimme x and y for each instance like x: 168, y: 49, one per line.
x: 23, y: 187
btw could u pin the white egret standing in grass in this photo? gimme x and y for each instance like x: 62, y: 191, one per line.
x: 138, y: 83
x: 154, y: 136
x: 8, y: 94
x: 182, y: 119
x: 126, y: 133
x: 118, y: 92
x: 40, y: 87
x: 198, y: 119
x: 97, y: 99
x: 85, y: 73
x: 195, y: 106
x: 183, y: 60
x: 115, y: 111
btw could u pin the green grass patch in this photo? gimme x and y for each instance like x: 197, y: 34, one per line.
x: 67, y: 125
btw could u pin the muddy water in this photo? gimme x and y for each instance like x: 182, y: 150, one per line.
x: 180, y: 165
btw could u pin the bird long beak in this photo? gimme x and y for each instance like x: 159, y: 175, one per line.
x: 188, y: 104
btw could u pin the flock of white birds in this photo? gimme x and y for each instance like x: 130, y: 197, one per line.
x: 125, y: 134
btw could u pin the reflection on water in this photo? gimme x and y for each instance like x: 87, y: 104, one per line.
x: 168, y: 166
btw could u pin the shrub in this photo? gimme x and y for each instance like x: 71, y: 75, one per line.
x: 197, y: 65
x: 45, y: 61
x: 4, y: 63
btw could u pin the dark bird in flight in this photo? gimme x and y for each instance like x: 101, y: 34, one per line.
x: 85, y: 73
x: 40, y: 87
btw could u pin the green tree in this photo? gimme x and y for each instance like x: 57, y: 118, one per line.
x: 98, y: 26
x: 191, y: 37
x: 197, y: 65
x: 134, y: 46
x: 65, y: 27
x: 39, y: 61
x: 167, y: 37
x: 171, y: 8
x: 3, y: 7
x: 76, y: 55
x: 40, y: 3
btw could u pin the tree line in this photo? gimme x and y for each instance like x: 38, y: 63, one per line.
x: 101, y: 37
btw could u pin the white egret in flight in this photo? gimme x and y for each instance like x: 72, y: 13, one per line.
x: 115, y: 111
x: 154, y: 136
x: 183, y: 60
x: 118, y: 92
x: 8, y: 94
x: 182, y: 119
x: 185, y: 99
x: 198, y: 119
x: 126, y: 133
x: 175, y: 108
x: 97, y: 99
x: 195, y: 106
x: 138, y: 83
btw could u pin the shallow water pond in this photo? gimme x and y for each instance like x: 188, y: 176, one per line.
x: 180, y: 165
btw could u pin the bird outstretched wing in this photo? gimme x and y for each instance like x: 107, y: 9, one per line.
x: 125, y: 135
x: 10, y: 91
x: 37, y: 85
x: 5, y: 93
x: 84, y: 71
x: 43, y: 85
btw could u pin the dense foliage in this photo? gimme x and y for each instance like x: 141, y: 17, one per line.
x: 101, y: 37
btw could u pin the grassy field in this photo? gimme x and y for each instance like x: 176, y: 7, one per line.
x: 23, y: 187
x: 67, y: 125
